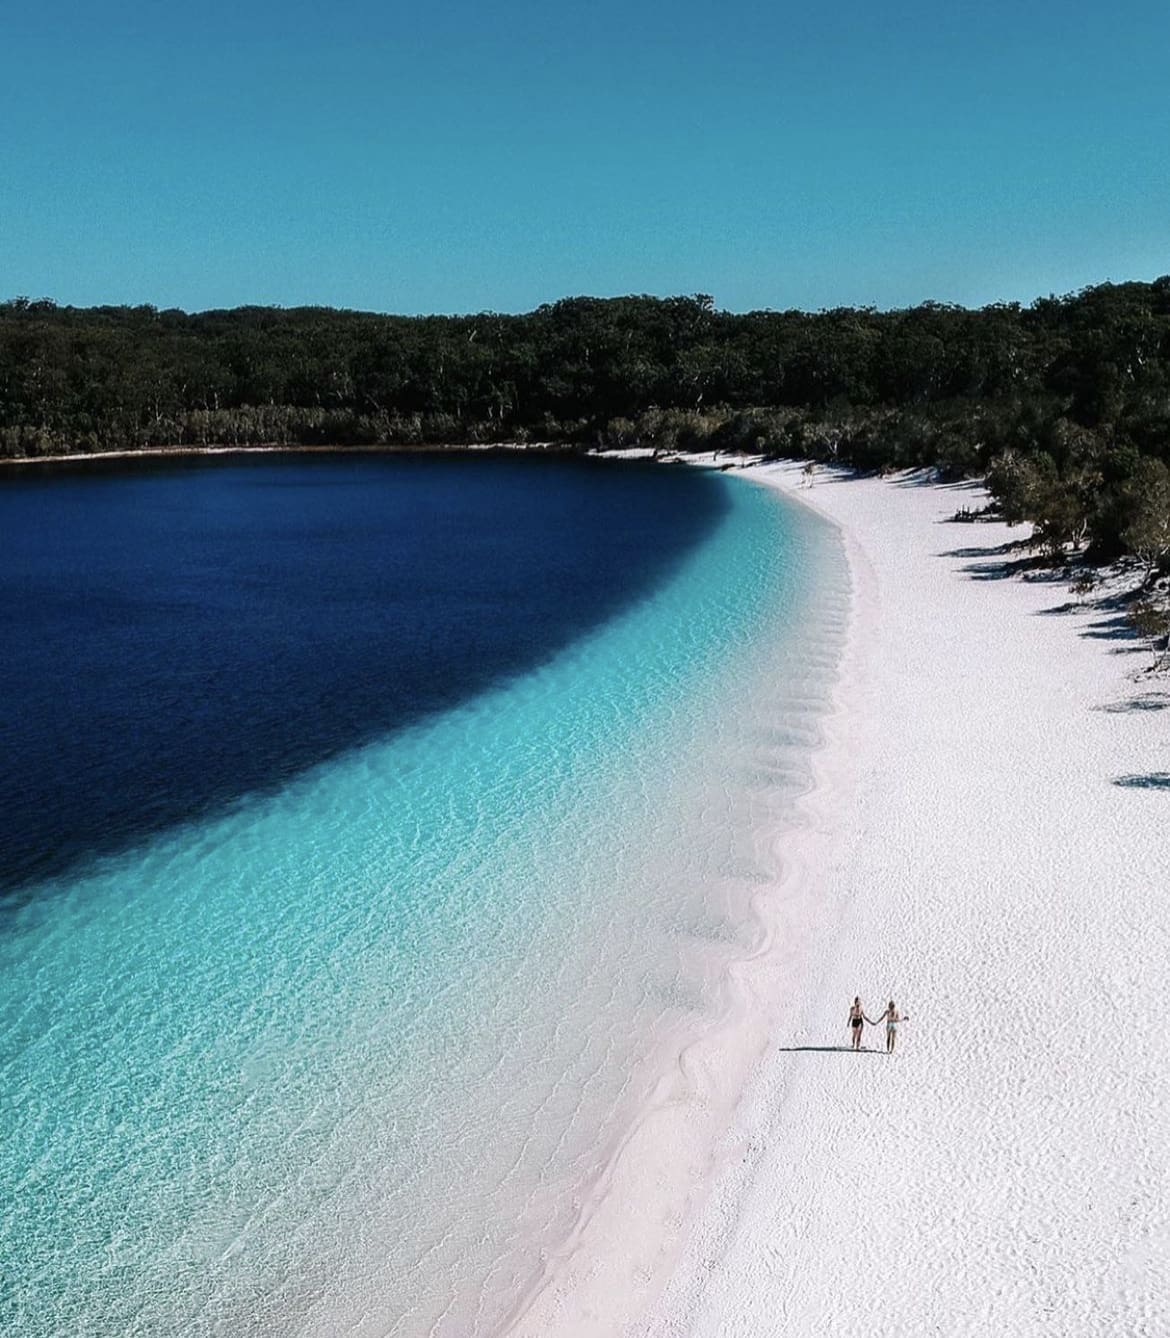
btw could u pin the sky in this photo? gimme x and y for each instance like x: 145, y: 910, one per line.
x: 460, y: 155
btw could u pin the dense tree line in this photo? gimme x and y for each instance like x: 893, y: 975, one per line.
x: 1064, y: 404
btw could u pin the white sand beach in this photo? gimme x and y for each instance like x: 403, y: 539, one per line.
x: 995, y: 856
x: 988, y: 844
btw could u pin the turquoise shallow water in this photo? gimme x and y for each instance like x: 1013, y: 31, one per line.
x: 346, y: 1058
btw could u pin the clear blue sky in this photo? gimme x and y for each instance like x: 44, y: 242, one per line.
x: 462, y: 155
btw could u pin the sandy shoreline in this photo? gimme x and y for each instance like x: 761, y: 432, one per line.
x: 995, y: 855
x: 415, y: 448
x: 194, y: 452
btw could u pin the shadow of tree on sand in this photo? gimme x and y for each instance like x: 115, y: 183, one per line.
x: 1116, y: 628
x: 1031, y: 568
x: 1105, y: 615
x: 1144, y: 701
x: 1002, y: 562
x: 1115, y: 623
x: 928, y: 478
x: 993, y: 550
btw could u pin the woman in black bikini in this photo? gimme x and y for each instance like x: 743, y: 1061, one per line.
x: 857, y: 1021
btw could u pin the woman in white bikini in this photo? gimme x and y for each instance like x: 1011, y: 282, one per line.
x: 891, y: 1017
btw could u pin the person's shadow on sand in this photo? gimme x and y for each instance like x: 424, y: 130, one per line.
x: 828, y: 1050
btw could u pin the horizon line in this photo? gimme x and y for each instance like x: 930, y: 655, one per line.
x: 46, y: 303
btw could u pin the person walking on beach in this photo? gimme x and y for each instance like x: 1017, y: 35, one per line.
x: 891, y: 1017
x: 857, y: 1021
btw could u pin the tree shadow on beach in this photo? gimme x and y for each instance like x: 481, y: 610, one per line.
x: 1149, y: 780
x: 1032, y: 569
x: 1144, y: 701
x: 1113, y: 606
x: 985, y: 550
x: 1114, y: 624
x: 929, y: 478
x: 828, y: 472
x: 1003, y: 562
x: 1118, y: 627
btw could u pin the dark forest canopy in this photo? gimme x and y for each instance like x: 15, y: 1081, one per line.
x: 1064, y: 404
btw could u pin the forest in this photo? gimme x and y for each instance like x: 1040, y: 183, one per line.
x: 1063, y: 405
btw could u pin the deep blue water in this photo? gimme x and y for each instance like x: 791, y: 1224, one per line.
x: 179, y: 635
x: 436, y: 800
